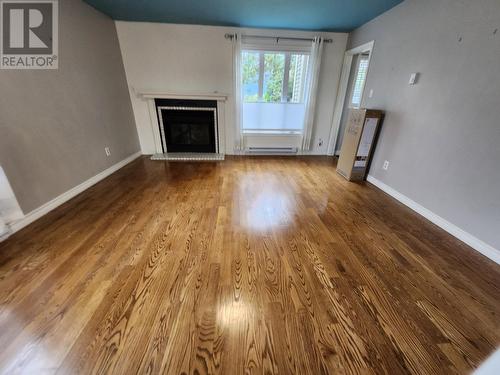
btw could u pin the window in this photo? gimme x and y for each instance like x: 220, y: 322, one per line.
x: 273, y: 85
x: 274, y: 77
x: 296, y: 80
x: 250, y: 74
x: 359, y: 83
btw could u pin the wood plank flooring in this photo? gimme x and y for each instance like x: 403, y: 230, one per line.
x: 249, y: 266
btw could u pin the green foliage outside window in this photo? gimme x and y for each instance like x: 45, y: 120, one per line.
x: 274, y: 67
x: 250, y: 76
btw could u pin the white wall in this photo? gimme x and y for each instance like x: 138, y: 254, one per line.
x: 191, y: 58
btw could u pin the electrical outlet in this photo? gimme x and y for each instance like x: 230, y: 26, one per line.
x: 370, y: 95
x: 107, y: 151
x: 386, y: 165
x: 320, y: 142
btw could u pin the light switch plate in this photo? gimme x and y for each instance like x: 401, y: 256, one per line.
x: 413, y: 78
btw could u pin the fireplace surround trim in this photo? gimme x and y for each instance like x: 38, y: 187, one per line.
x: 149, y: 97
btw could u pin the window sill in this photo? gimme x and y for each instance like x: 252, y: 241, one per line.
x: 262, y: 102
x: 294, y: 133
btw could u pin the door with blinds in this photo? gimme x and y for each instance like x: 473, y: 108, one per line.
x: 355, y: 91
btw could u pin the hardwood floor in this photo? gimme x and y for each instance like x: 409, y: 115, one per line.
x: 252, y: 265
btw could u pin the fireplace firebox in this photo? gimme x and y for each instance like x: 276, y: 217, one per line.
x: 188, y: 125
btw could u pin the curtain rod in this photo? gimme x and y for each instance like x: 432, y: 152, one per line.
x: 231, y: 37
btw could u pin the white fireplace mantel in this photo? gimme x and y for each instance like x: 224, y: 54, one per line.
x: 155, y: 94
x: 151, y: 95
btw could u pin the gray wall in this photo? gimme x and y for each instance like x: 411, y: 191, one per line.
x: 441, y: 136
x: 54, y: 124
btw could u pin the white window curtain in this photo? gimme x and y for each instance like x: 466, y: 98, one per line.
x: 238, y: 94
x: 311, y: 90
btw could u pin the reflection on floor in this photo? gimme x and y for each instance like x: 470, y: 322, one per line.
x: 251, y: 265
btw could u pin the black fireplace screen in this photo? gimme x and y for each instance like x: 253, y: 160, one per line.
x: 188, y: 128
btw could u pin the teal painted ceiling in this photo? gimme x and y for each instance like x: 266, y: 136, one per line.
x: 327, y: 15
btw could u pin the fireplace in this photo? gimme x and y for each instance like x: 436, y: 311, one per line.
x: 188, y: 125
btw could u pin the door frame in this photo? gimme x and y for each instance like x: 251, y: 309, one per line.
x: 343, y: 89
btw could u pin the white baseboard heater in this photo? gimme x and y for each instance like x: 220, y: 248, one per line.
x: 272, y: 150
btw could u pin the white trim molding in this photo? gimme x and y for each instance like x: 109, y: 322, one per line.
x: 64, y: 197
x: 4, y: 230
x: 152, y: 94
x: 342, y: 91
x: 474, y: 242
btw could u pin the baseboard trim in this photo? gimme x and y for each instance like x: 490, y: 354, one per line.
x: 469, y: 239
x: 64, y: 197
x: 4, y: 230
